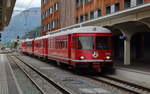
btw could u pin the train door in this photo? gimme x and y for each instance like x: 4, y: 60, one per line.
x: 73, y: 47
x: 32, y: 47
x: 45, y: 47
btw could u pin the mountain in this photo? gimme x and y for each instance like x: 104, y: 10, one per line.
x: 22, y: 23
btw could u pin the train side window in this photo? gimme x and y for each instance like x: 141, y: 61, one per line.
x: 66, y: 44
x: 57, y: 44
x: 44, y: 45
x: 40, y: 44
x: 74, y: 42
x: 49, y: 43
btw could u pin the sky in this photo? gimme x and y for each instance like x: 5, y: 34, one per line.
x: 25, y: 4
x: 20, y: 6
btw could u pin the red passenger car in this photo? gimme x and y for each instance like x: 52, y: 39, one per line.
x: 85, y: 47
x: 28, y: 46
x: 41, y: 47
x: 23, y: 46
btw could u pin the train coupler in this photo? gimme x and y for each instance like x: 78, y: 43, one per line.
x: 96, y: 66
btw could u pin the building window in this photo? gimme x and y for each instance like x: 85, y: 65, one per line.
x: 81, y: 2
x: 44, y: 28
x: 117, y: 7
x: 77, y: 20
x: 86, y: 17
x: 108, y: 10
x: 81, y: 18
x: 43, y: 16
x: 48, y: 26
x: 50, y: 10
x: 77, y: 4
x: 99, y: 12
x: 46, y: 13
x: 127, y: 3
x: 56, y: 7
x: 86, y: 1
x: 91, y: 15
x: 56, y: 23
x: 53, y: 24
x: 138, y: 2
x: 44, y: 1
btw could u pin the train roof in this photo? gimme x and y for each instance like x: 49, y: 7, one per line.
x: 86, y: 29
x: 27, y: 40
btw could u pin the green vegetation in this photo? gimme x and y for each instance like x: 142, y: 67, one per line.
x: 33, y: 33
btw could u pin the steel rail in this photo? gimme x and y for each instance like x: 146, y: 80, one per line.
x: 55, y: 84
x: 38, y: 87
x: 124, y: 85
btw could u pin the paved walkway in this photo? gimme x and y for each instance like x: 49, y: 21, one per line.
x: 3, y: 77
x: 141, y: 65
x: 7, y: 78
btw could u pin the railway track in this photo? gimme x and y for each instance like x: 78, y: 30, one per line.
x: 38, y: 74
x: 123, y: 85
x: 116, y: 83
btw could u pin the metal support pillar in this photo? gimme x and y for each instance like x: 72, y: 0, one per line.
x: 127, y: 60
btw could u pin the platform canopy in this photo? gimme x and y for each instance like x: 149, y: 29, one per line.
x: 6, y: 9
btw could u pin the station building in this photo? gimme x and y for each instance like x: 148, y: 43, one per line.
x: 58, y: 14
x: 6, y: 9
x: 126, y: 18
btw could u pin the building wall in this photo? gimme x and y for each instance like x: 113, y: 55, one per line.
x: 75, y: 11
x: 67, y: 8
x: 48, y: 19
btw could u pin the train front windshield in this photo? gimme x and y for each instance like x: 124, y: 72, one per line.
x: 91, y: 42
x: 102, y: 43
x: 86, y: 42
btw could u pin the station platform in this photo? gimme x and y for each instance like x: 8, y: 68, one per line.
x: 138, y: 72
x: 8, y: 83
x: 140, y: 65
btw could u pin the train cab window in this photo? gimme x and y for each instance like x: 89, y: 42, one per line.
x: 102, y: 43
x: 86, y: 42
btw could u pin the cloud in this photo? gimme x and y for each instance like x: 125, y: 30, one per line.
x: 25, y: 4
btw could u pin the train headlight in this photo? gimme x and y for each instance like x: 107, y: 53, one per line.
x: 107, y: 57
x: 82, y: 57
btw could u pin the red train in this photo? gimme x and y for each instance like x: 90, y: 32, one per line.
x: 84, y: 47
